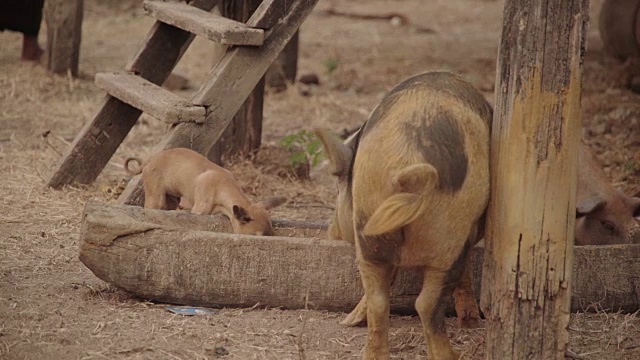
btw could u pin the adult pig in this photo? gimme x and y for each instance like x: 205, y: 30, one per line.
x: 605, y: 216
x: 414, y: 187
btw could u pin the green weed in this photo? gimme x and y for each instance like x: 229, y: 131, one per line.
x: 306, y: 147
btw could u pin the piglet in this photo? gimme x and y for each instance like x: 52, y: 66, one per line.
x: 175, y: 174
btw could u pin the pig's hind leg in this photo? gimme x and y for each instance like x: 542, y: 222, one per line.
x: 376, y: 278
x: 437, y: 287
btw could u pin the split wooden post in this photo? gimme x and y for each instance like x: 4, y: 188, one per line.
x: 285, y: 68
x: 64, y: 32
x: 244, y: 133
x: 534, y: 155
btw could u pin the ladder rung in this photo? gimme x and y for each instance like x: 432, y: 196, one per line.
x: 200, y: 22
x: 150, y: 98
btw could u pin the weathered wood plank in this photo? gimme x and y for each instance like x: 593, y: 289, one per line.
x: 92, y: 148
x: 64, y: 33
x: 222, y: 30
x: 150, y: 98
x: 534, y: 161
x: 173, y: 256
x: 235, y: 76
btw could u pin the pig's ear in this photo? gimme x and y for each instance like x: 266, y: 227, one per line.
x: 586, y: 207
x: 339, y: 154
x: 241, y: 214
x: 272, y: 202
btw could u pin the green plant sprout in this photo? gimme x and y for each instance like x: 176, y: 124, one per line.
x: 306, y: 147
x: 331, y: 64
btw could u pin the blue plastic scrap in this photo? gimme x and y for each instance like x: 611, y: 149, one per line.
x: 189, y: 311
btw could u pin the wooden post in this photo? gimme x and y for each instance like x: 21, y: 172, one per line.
x: 64, y: 31
x: 534, y: 155
x: 244, y: 133
x: 285, y: 68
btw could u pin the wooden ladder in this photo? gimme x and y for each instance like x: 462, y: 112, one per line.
x: 199, y: 122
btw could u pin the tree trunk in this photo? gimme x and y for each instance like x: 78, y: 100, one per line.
x: 534, y: 156
x: 244, y: 133
x: 285, y: 68
x: 64, y: 31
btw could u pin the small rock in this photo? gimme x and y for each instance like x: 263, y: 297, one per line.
x: 304, y: 90
x: 310, y: 78
x: 221, y: 351
x: 397, y: 21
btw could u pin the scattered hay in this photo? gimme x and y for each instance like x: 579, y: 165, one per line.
x: 52, y: 306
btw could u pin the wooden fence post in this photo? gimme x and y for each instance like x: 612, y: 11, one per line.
x: 244, y: 133
x: 64, y: 32
x: 534, y: 155
x: 285, y: 68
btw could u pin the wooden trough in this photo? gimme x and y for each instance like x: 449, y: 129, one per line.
x: 177, y: 257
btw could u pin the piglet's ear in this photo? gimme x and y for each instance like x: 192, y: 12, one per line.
x: 241, y: 214
x: 589, y: 206
x: 272, y: 202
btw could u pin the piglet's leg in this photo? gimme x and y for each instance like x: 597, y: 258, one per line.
x: 204, y: 193
x: 155, y: 201
x: 154, y: 195
x: 376, y: 279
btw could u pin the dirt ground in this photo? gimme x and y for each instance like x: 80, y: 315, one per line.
x: 53, y: 307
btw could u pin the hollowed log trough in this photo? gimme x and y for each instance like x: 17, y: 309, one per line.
x: 180, y: 258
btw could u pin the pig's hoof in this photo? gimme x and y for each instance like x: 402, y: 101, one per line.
x: 469, y: 319
x: 355, y: 318
x: 468, y: 315
x: 468, y: 322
